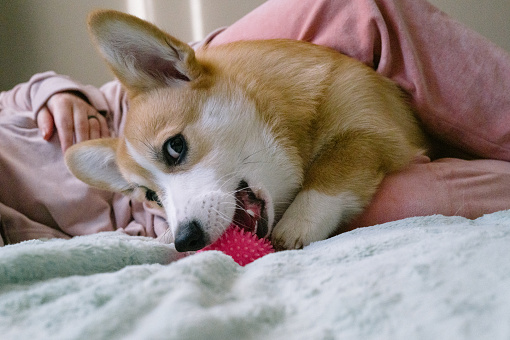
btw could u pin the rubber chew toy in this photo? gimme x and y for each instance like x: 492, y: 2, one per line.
x: 241, y: 245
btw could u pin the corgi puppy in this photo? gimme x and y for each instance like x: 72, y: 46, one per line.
x: 287, y: 139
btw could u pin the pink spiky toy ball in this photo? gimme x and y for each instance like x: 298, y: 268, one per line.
x: 243, y: 246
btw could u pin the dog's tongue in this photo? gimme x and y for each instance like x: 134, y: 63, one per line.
x: 249, y: 213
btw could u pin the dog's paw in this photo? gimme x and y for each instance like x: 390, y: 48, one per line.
x: 301, y: 225
x: 311, y: 217
x: 292, y: 233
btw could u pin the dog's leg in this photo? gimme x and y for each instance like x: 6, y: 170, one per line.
x: 312, y: 216
x: 338, y: 185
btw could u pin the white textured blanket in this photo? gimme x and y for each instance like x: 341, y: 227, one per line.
x: 420, y: 278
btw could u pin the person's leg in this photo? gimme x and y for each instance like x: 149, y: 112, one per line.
x: 458, y: 81
x: 449, y: 186
x: 348, y: 26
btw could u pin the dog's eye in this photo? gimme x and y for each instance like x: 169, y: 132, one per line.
x: 174, y: 150
x: 152, y: 196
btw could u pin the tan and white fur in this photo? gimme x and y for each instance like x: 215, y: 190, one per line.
x: 310, y: 131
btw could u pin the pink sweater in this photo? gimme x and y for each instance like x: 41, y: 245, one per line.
x: 39, y: 198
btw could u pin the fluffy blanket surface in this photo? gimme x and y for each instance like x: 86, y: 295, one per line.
x: 420, y: 278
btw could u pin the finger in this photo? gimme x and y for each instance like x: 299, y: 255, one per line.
x: 45, y: 123
x: 94, y: 120
x: 99, y: 128
x: 105, y: 131
x: 81, y: 121
x: 94, y: 127
x: 65, y: 126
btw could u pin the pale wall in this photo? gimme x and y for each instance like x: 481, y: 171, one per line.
x: 40, y: 35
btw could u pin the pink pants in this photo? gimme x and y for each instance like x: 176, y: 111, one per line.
x: 458, y: 81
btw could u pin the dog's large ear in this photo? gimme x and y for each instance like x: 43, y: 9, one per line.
x: 140, y: 54
x: 94, y: 162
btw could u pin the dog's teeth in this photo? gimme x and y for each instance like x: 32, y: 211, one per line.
x: 250, y: 212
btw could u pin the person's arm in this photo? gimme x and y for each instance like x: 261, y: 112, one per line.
x: 34, y: 94
x: 72, y: 117
x: 75, y: 111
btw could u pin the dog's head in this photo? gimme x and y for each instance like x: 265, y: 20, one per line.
x: 194, y: 143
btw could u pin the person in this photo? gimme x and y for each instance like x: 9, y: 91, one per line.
x: 458, y: 83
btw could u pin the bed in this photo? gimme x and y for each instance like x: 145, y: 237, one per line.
x: 431, y: 277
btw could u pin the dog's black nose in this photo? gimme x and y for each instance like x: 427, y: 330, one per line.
x: 190, y: 237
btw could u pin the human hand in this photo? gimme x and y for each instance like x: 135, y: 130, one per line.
x: 74, y: 119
